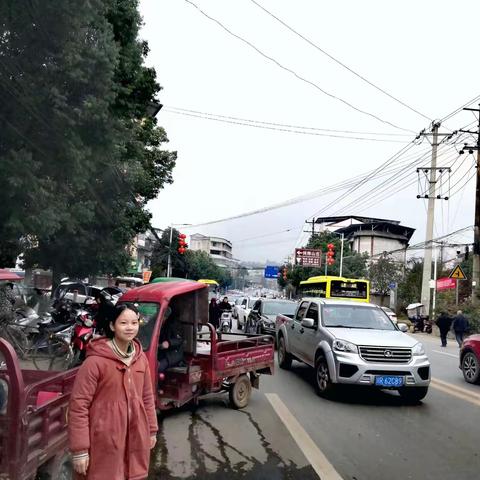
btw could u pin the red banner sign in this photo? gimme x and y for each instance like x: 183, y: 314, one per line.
x: 445, y: 283
x: 308, y: 257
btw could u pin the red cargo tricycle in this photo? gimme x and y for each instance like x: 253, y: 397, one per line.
x: 209, y: 363
x: 33, y: 420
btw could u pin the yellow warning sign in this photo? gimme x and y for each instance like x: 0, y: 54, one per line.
x: 458, y: 273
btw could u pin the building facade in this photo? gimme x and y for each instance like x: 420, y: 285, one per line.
x: 374, y: 236
x: 220, y: 249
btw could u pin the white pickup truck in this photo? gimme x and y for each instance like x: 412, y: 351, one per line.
x: 353, y: 343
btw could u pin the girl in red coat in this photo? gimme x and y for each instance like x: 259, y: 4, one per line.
x: 112, y: 419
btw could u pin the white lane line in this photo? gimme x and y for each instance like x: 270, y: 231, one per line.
x: 454, y: 391
x: 313, y: 454
x: 449, y: 354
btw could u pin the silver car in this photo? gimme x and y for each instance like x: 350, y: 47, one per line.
x: 353, y: 343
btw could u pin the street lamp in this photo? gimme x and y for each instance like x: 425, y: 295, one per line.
x: 153, y: 108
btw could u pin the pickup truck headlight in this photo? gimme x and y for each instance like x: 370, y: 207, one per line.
x: 344, y: 346
x: 418, y: 350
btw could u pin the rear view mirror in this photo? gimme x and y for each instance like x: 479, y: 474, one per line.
x: 403, y: 327
x: 308, y: 323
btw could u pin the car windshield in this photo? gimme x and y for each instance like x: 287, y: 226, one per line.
x: 277, y: 308
x: 352, y: 316
x: 148, y: 315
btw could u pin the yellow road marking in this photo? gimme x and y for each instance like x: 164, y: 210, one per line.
x: 455, y: 391
x: 313, y: 454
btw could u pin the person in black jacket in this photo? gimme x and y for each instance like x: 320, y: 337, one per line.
x: 460, y: 327
x: 213, y: 313
x: 444, y: 322
x: 105, y: 313
x: 170, y: 349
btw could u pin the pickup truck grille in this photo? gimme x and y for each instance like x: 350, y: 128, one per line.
x: 386, y: 354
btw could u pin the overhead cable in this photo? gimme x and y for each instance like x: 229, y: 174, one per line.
x: 314, y: 45
x: 294, y: 73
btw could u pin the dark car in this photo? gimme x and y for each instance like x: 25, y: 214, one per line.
x: 261, y: 318
x: 470, y: 359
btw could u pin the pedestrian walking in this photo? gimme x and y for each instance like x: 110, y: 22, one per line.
x: 460, y: 327
x: 444, y: 323
x: 214, y: 313
x: 112, y: 423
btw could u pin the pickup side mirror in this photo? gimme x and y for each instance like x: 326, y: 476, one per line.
x: 255, y: 312
x: 308, y: 323
x: 403, y: 327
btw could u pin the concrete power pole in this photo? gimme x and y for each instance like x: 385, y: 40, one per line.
x: 476, y: 231
x: 427, y: 263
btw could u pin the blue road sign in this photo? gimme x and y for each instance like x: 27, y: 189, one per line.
x: 271, y: 271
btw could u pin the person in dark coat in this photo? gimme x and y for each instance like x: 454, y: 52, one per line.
x: 444, y: 322
x: 170, y: 350
x: 105, y: 313
x: 214, y: 313
x: 460, y: 327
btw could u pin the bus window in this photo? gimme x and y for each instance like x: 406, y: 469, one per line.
x: 341, y: 289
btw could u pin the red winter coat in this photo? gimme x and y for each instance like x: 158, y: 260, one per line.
x: 112, y: 413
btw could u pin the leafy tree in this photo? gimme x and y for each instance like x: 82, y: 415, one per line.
x: 382, y: 273
x: 179, y: 263
x: 80, y: 153
x: 410, y: 287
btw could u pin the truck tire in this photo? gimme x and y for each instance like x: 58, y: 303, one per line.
x: 240, y: 392
x: 284, y: 358
x: 413, y: 395
x: 323, y: 382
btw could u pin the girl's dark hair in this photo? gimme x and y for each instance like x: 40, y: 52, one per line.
x: 117, y: 310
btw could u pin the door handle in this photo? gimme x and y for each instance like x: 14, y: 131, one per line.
x: 302, y: 330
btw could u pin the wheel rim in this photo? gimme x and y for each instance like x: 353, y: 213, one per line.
x: 470, y: 366
x: 241, y: 392
x: 322, y: 377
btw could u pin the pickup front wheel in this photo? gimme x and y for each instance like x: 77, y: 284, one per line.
x: 284, y: 358
x: 323, y: 383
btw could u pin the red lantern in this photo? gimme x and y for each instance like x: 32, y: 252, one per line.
x: 181, y: 250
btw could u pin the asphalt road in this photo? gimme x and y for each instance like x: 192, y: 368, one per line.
x: 288, y: 432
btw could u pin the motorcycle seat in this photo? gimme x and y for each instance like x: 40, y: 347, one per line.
x: 55, y: 328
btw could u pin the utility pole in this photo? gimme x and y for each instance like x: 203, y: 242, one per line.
x: 169, y: 262
x: 476, y: 230
x: 427, y: 263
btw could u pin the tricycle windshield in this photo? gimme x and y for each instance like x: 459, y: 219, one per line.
x: 148, y: 315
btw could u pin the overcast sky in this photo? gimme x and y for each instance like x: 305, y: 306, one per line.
x: 423, y: 53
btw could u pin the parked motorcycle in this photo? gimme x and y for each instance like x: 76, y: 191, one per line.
x: 83, y: 332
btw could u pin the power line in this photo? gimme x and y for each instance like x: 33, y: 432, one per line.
x: 303, y: 198
x: 339, y: 62
x: 343, y: 137
x: 393, y: 158
x: 459, y: 109
x: 168, y: 107
x: 287, y: 69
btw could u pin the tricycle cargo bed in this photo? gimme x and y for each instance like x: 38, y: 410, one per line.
x: 234, y: 357
x: 33, y: 419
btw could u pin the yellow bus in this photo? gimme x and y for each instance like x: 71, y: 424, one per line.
x: 213, y: 287
x: 336, y: 287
